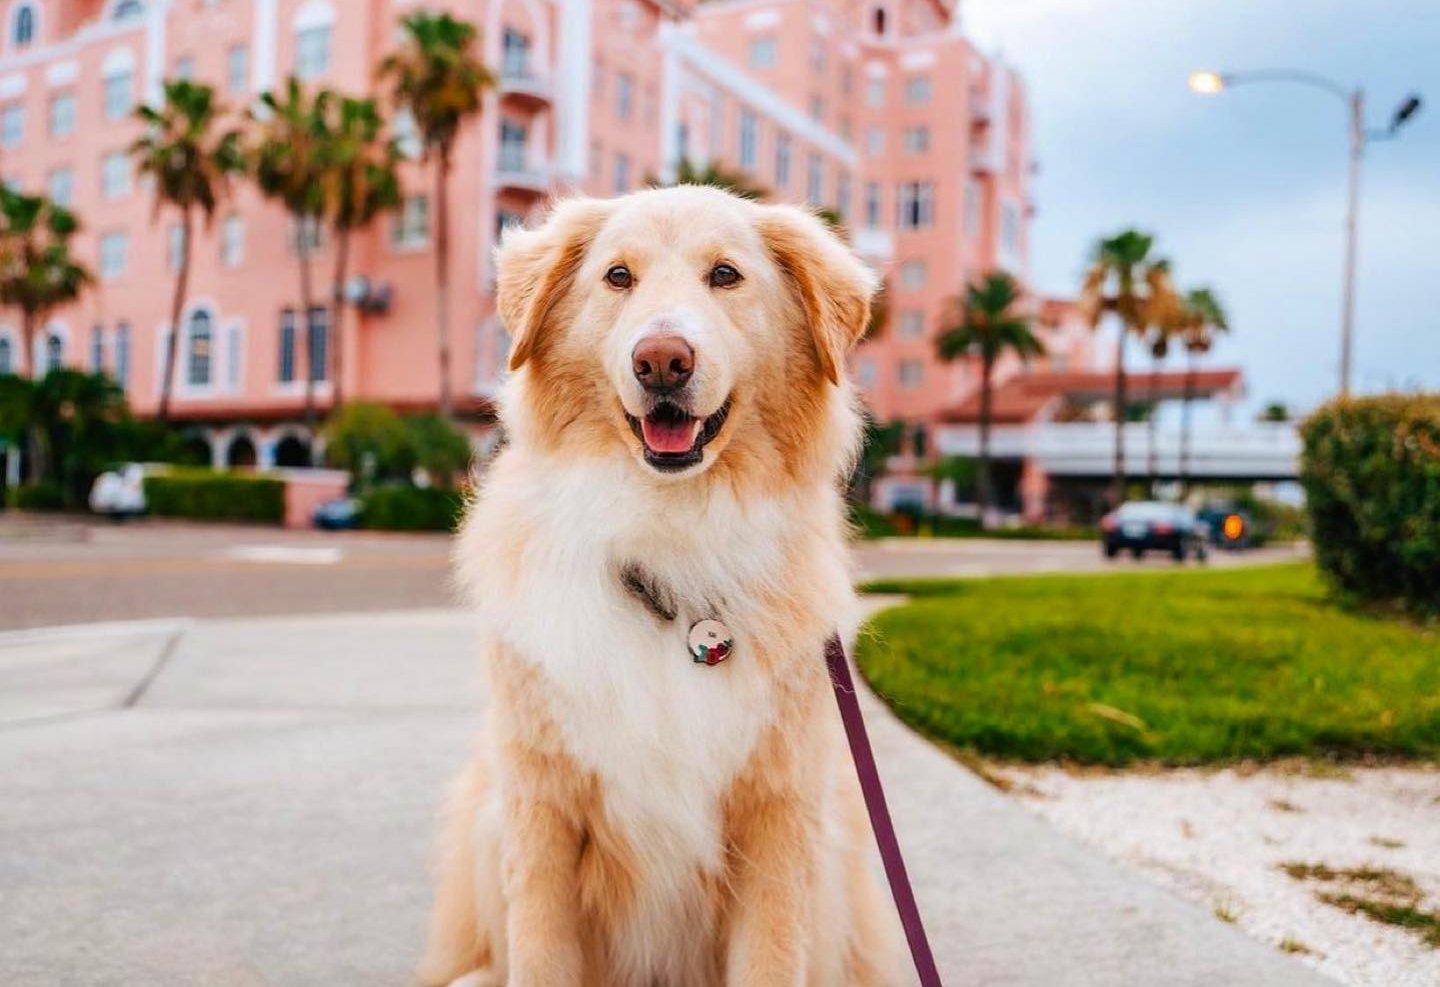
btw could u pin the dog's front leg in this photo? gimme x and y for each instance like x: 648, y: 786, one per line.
x: 542, y: 896
x: 773, y: 885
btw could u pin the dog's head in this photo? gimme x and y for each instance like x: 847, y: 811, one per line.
x: 686, y: 326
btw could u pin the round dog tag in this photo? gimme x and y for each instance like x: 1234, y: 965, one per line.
x: 710, y: 642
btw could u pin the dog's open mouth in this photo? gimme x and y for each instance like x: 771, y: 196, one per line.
x: 673, y: 438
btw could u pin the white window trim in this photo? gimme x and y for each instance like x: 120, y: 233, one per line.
x: 312, y: 14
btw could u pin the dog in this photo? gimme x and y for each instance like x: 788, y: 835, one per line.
x: 662, y: 794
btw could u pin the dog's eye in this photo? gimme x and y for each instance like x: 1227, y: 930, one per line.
x: 619, y: 277
x: 723, y: 276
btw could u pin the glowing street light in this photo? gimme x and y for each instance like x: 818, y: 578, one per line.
x: 1210, y: 83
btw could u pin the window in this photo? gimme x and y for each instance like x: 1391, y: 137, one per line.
x: 318, y: 346
x: 912, y: 323
x: 174, y: 246
x: 865, y: 372
x: 972, y: 207
x: 624, y: 95
x: 682, y: 140
x: 814, y: 179
x: 237, y: 69
x: 911, y: 373
x: 622, y: 174
x: 762, y: 53
x: 412, y: 223
x: 286, y: 364
x: 912, y: 275
x: 113, y: 248
x: 115, y: 175
x: 60, y: 186
x: 915, y: 204
x: 185, y: 67
x: 842, y: 194
x: 312, y: 52
x: 782, y: 161
x: 12, y: 125
x: 128, y: 8
x: 122, y: 353
x: 512, y: 145
x: 198, y: 350
x: 875, y: 93
x: 873, y: 205
x: 62, y: 115
x: 307, y: 235
x: 879, y: 21
x: 874, y: 141
x: 97, y: 349
x: 515, y: 54
x: 1009, y: 228
x: 917, y: 90
x: 916, y: 140
x: 232, y: 241
x: 234, y: 346
x: 24, y: 30
x: 119, y: 94
x: 748, y: 139
x: 504, y: 219
x: 406, y: 133
x: 7, y: 357
x: 54, y: 351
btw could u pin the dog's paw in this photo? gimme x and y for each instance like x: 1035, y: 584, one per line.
x: 477, y: 978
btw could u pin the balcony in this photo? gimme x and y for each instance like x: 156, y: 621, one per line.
x: 518, y: 171
x: 523, y: 86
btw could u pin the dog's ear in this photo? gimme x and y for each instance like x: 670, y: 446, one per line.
x: 534, y: 269
x: 834, y: 286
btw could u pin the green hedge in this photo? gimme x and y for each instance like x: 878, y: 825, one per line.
x: 214, y: 495
x: 1371, y: 471
x: 411, y: 509
x: 40, y: 497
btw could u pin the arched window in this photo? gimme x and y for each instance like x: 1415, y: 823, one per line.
x: 880, y: 21
x: 199, y: 349
x: 54, y: 352
x: 127, y: 8
x: 23, y: 30
x: 122, y: 354
x: 6, y: 356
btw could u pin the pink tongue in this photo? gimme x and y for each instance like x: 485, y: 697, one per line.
x: 667, y: 437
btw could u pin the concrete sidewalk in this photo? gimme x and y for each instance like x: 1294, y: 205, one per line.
x: 251, y: 802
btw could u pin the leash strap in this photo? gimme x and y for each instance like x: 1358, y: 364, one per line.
x: 874, y: 793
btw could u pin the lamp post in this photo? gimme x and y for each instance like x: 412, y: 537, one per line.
x: 1210, y: 83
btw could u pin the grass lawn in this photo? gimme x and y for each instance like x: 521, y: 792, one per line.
x: 1184, y: 667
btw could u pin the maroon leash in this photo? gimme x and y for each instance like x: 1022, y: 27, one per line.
x: 874, y: 792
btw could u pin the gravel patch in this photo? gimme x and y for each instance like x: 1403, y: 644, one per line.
x: 1222, y: 838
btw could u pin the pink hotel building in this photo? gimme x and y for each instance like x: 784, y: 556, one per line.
x: 880, y: 109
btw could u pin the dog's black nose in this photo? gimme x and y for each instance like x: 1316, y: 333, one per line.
x: 663, y: 362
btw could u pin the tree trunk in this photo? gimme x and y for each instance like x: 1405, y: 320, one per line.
x: 337, y: 315
x: 177, y: 309
x: 1117, y: 483
x: 34, y: 456
x: 442, y: 277
x: 27, y: 345
x: 1185, y: 425
x: 1152, y: 454
x: 982, y: 477
x: 306, y: 303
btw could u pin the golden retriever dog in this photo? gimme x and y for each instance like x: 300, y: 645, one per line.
x: 663, y: 796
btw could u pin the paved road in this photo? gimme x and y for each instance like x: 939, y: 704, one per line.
x: 240, y: 803
x: 62, y: 572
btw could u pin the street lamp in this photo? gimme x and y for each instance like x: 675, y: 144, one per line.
x: 1209, y: 83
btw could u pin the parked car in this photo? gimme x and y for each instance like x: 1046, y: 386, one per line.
x: 119, y: 493
x: 1149, y: 525
x: 340, y: 514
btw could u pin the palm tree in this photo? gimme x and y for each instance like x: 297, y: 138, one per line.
x: 191, y: 167
x: 1169, y: 323
x: 38, y: 273
x: 1125, y: 280
x: 289, y: 168
x: 437, y: 76
x: 986, y: 323
x: 360, y: 182
x: 1204, y: 316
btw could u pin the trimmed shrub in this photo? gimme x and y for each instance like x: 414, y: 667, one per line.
x: 45, y: 496
x: 411, y: 509
x: 216, y: 496
x: 1371, y: 471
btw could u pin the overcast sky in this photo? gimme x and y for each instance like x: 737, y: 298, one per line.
x: 1245, y: 191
